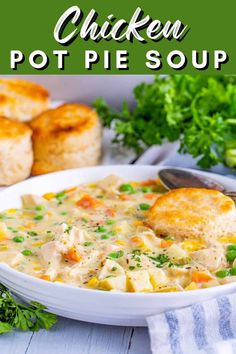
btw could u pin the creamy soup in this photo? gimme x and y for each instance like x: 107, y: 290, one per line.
x: 97, y: 236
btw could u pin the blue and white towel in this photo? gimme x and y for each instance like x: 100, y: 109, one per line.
x: 208, y: 327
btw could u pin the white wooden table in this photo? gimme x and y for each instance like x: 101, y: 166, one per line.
x: 75, y: 337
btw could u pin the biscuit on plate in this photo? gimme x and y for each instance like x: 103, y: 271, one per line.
x: 193, y: 213
x: 22, y: 100
x: 16, y: 154
x: 66, y: 137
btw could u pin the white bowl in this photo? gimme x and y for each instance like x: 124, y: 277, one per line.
x: 129, y: 309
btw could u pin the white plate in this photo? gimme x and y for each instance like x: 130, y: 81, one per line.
x: 130, y: 309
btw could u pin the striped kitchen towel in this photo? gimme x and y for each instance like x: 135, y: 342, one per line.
x: 208, y: 327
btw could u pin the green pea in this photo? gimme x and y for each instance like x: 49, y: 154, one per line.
x: 144, y: 206
x: 27, y: 253
x: 127, y: 188
x: 101, y: 229
x: 32, y: 233
x: 231, y: 255
x: 146, y: 189
x: 39, y: 207
x: 222, y: 273
x: 38, y: 217
x: 110, y: 222
x: 232, y: 271
x: 18, y: 239
x: 104, y: 237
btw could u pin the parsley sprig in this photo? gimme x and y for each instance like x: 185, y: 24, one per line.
x: 16, y: 315
x: 199, y: 111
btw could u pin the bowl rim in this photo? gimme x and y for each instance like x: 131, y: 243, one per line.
x: 25, y: 278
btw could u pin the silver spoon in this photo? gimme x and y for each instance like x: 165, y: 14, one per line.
x: 173, y: 178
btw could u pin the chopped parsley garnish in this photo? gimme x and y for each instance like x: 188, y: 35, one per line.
x: 101, y: 229
x: 68, y: 230
x: 60, y: 197
x: 131, y: 267
x: 88, y: 243
x: 113, y: 269
x: 32, y: 233
x: 160, y: 260
x: 64, y: 213
x: 115, y: 255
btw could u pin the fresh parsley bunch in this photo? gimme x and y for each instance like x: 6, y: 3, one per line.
x: 199, y: 111
x: 14, y: 314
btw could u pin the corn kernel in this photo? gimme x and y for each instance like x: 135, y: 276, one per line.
x: 11, y: 211
x: 192, y: 245
x: 120, y: 242
x: 191, y: 286
x: 37, y: 268
x: 228, y: 239
x: 93, y: 282
x: 38, y: 244
x: 49, y: 196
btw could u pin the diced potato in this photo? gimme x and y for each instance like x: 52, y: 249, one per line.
x: 175, y: 252
x: 157, y: 278
x: 111, y: 268
x: 139, y: 281
x: 31, y: 200
x: 114, y: 283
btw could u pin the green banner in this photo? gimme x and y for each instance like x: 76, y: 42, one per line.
x: 117, y: 37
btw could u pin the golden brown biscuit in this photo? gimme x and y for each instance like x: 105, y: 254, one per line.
x: 193, y: 213
x: 16, y: 155
x: 22, y: 100
x: 66, y: 137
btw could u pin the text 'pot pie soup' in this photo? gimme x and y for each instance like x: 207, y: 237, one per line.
x: 123, y: 236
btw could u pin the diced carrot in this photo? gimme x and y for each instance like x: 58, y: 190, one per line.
x: 137, y: 241
x: 110, y: 212
x: 200, y: 277
x: 45, y: 277
x: 149, y: 182
x: 150, y: 196
x: 88, y: 202
x: 73, y: 255
x: 166, y: 243
x: 124, y: 197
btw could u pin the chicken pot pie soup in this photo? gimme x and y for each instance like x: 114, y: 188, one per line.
x: 111, y: 235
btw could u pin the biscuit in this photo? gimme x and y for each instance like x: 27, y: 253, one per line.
x: 22, y: 100
x: 193, y: 213
x: 16, y: 155
x: 66, y: 137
